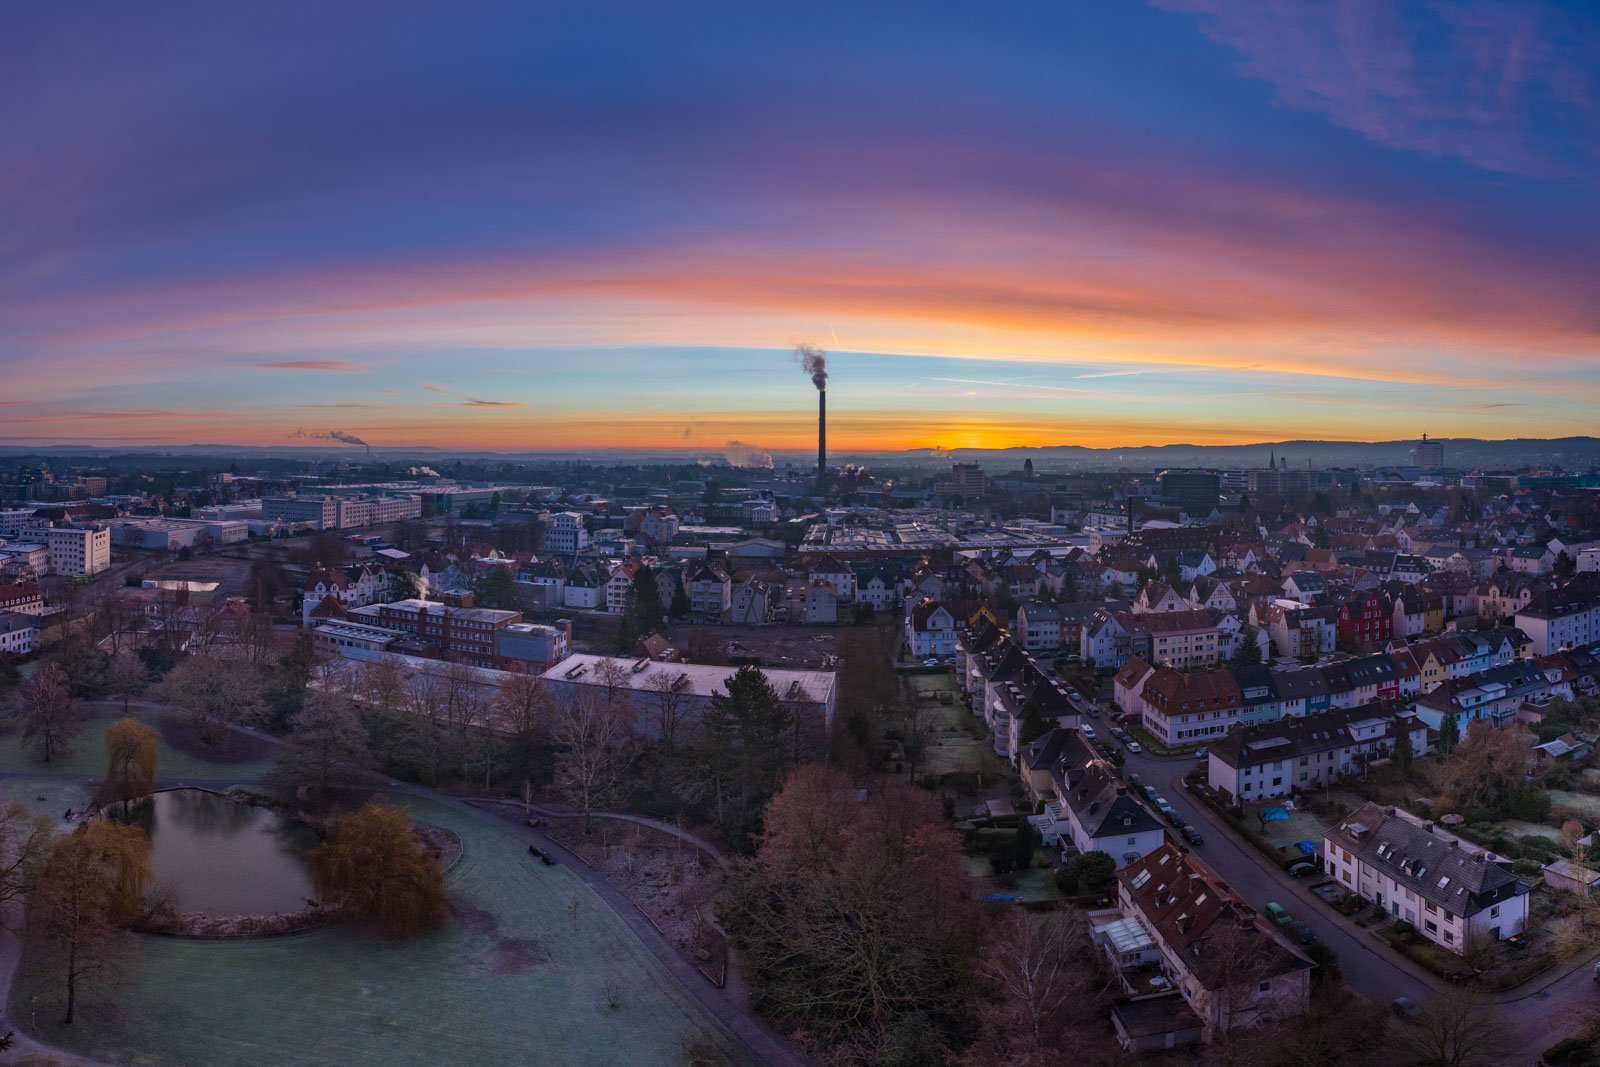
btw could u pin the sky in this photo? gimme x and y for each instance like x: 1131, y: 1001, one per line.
x: 549, y: 226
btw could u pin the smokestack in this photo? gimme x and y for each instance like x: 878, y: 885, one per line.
x: 822, y: 436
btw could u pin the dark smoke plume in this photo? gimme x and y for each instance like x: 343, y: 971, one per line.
x: 814, y: 361
x: 331, y: 435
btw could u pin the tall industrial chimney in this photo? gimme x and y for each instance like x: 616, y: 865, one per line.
x: 822, y: 436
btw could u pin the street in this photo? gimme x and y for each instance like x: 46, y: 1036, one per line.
x: 1551, y: 1006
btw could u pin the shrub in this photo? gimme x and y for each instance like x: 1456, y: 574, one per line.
x: 1066, y: 881
x: 1529, y: 805
x: 1093, y: 868
x: 1405, y: 929
x: 1527, y: 868
x: 1002, y: 857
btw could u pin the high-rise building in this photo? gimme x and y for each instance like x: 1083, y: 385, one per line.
x: 1195, y: 492
x: 78, y: 550
x: 1428, y: 454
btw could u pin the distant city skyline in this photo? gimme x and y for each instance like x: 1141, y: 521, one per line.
x: 1099, y: 224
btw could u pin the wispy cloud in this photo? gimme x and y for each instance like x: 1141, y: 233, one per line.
x: 337, y: 366
x: 469, y: 401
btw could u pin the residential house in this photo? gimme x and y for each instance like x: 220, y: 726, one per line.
x: 1568, y: 617
x: 710, y: 590
x: 1091, y: 809
x: 1183, y: 639
x: 822, y: 602
x: 585, y: 587
x: 839, y: 575
x: 1230, y: 969
x: 1455, y: 893
x: 1158, y: 596
x: 753, y: 603
x: 1188, y: 709
x: 1273, y: 759
x: 930, y: 629
x: 1365, y: 619
x: 876, y: 588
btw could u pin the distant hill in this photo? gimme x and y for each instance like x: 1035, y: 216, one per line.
x: 1467, y: 453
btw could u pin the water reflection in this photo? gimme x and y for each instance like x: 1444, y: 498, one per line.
x: 212, y: 855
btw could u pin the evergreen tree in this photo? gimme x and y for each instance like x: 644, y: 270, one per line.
x: 642, y: 610
x: 1403, y: 753
x: 745, y: 735
x: 1564, y: 567
x: 680, y: 601
x: 1034, y: 724
x: 1247, y: 650
x: 1024, y: 842
x: 1449, y: 733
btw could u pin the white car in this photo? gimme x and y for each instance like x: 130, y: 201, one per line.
x: 1088, y: 731
x: 1134, y: 747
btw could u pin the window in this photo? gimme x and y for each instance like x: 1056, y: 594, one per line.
x: 1494, y: 912
x: 1264, y: 987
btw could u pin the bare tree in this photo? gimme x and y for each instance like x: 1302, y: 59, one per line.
x: 917, y: 721
x: 1457, y: 1029
x: 670, y: 696
x: 1036, y: 962
x: 382, y: 684
x: 126, y: 678
x: 326, y: 747
x: 25, y: 840
x: 47, y: 712
x: 596, y: 738
x: 217, y: 690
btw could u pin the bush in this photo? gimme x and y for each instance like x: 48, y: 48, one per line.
x: 1527, y: 868
x: 1093, y: 868
x: 1003, y: 857
x: 1066, y: 881
x: 1529, y: 805
x: 929, y: 780
x: 1405, y: 929
x: 1327, y: 961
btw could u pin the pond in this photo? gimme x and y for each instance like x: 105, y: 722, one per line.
x: 210, y: 854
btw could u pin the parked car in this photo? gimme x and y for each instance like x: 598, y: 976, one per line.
x: 1150, y: 791
x: 1302, y: 933
x: 930, y: 663
x: 1175, y: 818
x: 1088, y: 731
x: 1094, y: 711
x: 1278, y: 914
x: 1201, y: 752
x: 1191, y: 835
x: 1405, y: 1007
x: 1135, y: 781
x: 1135, y: 747
x: 1162, y: 806
x: 1302, y: 869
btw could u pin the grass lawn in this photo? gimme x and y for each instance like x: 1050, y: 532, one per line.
x: 1301, y: 825
x: 88, y: 755
x: 1528, y: 829
x: 1589, y: 805
x: 516, y: 977
x: 59, y: 794
x: 951, y: 748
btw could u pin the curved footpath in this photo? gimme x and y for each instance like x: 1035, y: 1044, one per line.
x: 765, y: 1044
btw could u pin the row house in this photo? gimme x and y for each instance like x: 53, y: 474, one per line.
x: 1504, y: 595
x: 1458, y: 593
x: 1568, y: 617
x: 1495, y: 695
x: 1297, y: 631
x: 1086, y: 802
x: 1418, y: 612
x: 1365, y: 618
x: 1183, y: 639
x: 21, y: 596
x: 1043, y: 626
x: 1257, y: 762
x: 1456, y: 894
x: 1186, y: 709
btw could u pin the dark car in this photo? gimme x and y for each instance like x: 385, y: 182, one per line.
x: 1191, y: 835
x: 1175, y: 819
x: 1302, y: 869
x: 1135, y: 781
x: 1405, y: 1007
x: 1301, y: 933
